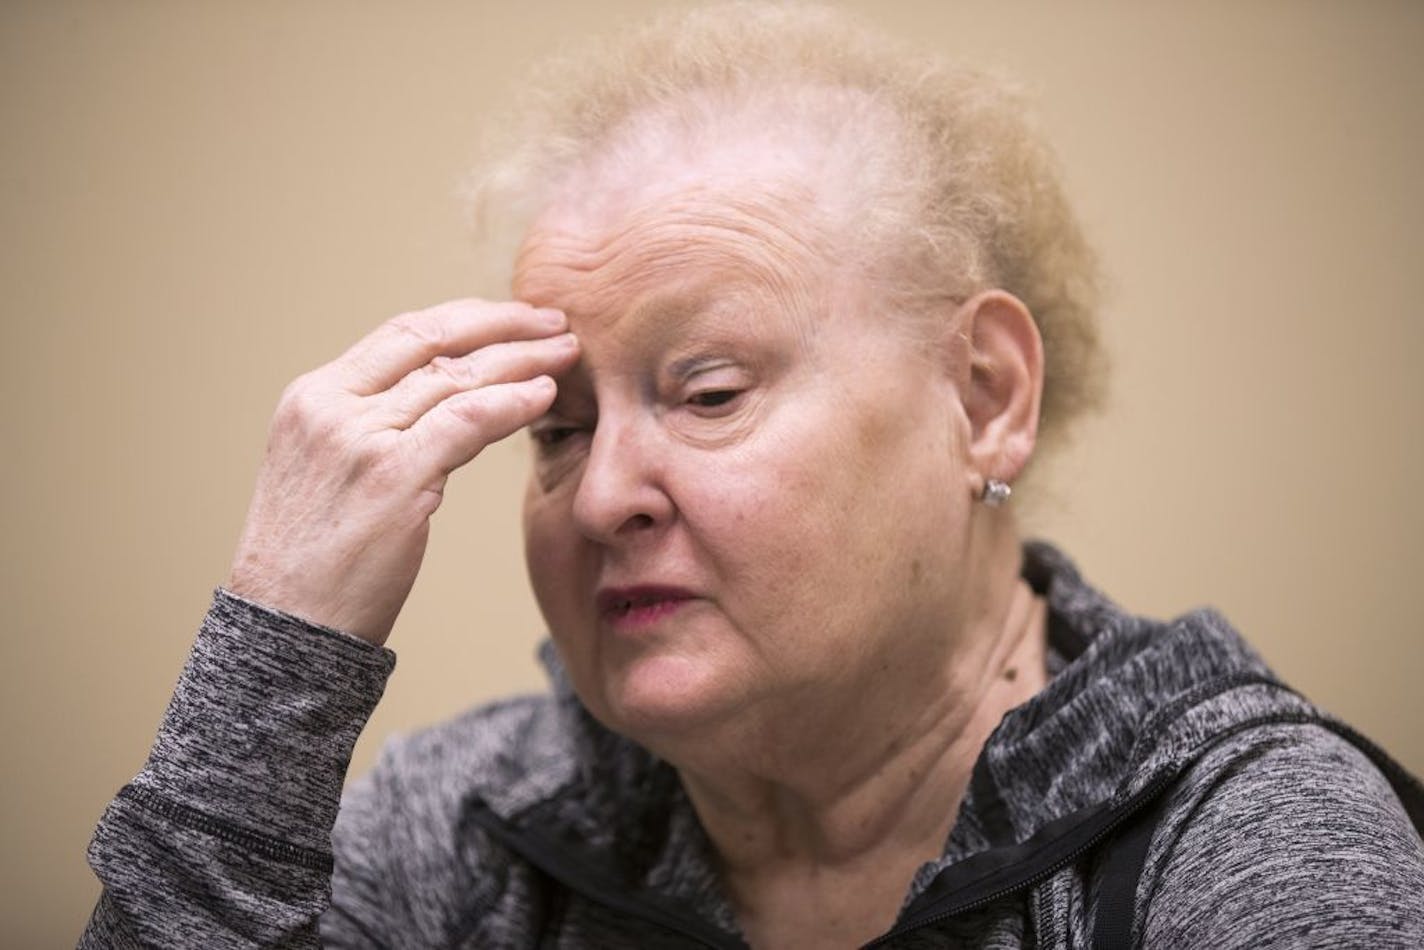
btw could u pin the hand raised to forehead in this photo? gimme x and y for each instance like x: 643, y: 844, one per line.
x: 359, y: 451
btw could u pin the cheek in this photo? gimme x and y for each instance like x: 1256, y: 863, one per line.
x: 548, y: 553
x: 768, y: 519
x: 850, y: 512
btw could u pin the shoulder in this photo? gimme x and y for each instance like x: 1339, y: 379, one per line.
x: 1284, y: 835
x: 484, y: 735
x: 507, y: 747
x: 402, y: 830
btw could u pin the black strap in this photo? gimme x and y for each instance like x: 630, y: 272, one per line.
x: 551, y: 917
x: 1121, y: 871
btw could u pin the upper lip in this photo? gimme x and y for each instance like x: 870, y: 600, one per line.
x: 611, y: 599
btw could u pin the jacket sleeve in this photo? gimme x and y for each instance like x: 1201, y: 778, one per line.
x: 1289, y: 837
x: 223, y: 840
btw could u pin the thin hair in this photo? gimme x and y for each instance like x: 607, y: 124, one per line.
x: 957, y: 191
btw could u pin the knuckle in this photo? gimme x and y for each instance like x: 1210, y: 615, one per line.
x: 298, y: 402
x: 296, y: 388
x: 419, y: 328
x: 307, y: 411
x: 452, y: 370
x: 471, y: 412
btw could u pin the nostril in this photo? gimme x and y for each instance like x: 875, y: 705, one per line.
x: 639, y: 521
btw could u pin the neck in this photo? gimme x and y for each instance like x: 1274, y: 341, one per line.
x: 870, y: 794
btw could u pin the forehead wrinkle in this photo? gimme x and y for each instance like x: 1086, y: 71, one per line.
x: 696, y: 236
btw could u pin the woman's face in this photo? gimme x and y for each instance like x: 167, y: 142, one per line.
x: 748, y: 500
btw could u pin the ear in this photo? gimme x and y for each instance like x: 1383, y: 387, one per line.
x: 1003, y: 386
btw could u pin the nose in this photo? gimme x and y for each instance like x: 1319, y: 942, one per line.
x: 620, y: 497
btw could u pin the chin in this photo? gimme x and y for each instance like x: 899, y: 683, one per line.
x: 660, y: 698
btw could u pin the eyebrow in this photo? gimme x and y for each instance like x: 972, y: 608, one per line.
x: 663, y: 318
x: 690, y: 365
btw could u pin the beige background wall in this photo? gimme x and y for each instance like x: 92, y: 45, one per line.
x: 200, y: 201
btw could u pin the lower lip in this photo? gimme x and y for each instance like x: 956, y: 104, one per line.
x: 645, y: 615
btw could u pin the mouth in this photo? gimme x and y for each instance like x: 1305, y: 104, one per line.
x: 637, y: 606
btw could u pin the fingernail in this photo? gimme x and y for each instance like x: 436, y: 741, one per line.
x: 551, y: 317
x: 566, y: 341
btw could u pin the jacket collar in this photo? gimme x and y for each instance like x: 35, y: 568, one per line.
x: 1133, y: 697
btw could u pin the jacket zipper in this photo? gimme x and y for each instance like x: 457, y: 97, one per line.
x: 587, y: 882
x: 1031, y: 875
x: 1037, y: 867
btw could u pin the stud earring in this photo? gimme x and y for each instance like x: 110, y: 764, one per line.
x: 995, y: 492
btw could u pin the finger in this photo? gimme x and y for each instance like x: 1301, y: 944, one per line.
x: 403, y: 343
x: 457, y: 429
x: 423, y: 388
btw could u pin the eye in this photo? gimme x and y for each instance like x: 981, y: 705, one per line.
x: 551, y: 436
x: 712, y: 398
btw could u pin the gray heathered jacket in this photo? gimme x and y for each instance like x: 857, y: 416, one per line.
x: 1163, y: 788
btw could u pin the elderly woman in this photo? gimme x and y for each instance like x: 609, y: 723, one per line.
x: 794, y: 311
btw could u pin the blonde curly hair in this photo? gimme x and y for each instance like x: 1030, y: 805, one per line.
x: 960, y: 191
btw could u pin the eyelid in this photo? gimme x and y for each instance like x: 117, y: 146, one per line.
x: 699, y: 372
x: 549, y: 420
x: 543, y: 430
x: 727, y: 379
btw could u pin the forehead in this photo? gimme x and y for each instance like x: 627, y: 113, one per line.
x: 688, y: 196
x: 702, y: 242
